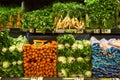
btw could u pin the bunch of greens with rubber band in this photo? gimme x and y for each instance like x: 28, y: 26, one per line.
x: 73, y: 57
x: 41, y: 19
x: 11, y: 55
x: 101, y: 14
x: 6, y: 12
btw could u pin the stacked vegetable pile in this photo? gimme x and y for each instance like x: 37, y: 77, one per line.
x: 101, y: 13
x: 73, y: 57
x: 60, y: 15
x: 69, y: 15
x: 106, y: 58
x: 11, y: 55
x: 40, y: 59
x: 10, y: 16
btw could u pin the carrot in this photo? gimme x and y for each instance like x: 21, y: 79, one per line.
x: 42, y: 59
x: 19, y: 16
x: 18, y: 23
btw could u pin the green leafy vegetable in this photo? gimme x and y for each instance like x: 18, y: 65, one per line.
x: 101, y: 13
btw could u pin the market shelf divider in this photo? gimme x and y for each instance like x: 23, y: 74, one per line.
x: 89, y: 31
x: 37, y: 78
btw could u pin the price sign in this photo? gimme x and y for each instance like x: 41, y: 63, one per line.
x: 69, y: 78
x: 80, y: 31
x: 79, y: 79
x: 96, y: 31
x: 38, y: 31
x: 107, y: 31
x: 31, y: 30
x: 70, y: 30
x: 88, y: 30
x: 105, y: 79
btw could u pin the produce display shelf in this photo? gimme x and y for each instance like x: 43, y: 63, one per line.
x: 89, y: 31
x: 40, y: 78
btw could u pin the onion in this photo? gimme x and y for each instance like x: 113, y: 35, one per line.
x: 74, y: 46
x: 14, y: 63
x: 12, y: 48
x: 4, y: 50
x: 80, y: 46
x: 80, y: 59
x: 87, y: 42
x: 60, y: 46
x: 67, y: 45
x: 6, y: 64
x: 62, y: 59
x: 71, y: 59
x: 19, y: 62
x: 88, y: 73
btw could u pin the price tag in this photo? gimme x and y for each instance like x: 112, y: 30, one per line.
x: 80, y: 31
x: 25, y: 30
x: 38, y: 31
x: 40, y: 78
x: 25, y: 78
x: 8, y: 29
x: 88, y: 30
x: 60, y: 31
x: 69, y: 78
x: 70, y: 30
x: 104, y: 78
x: 31, y: 30
x: 2, y: 29
x: 34, y: 78
x: 107, y: 31
x: 96, y: 30
x: 114, y: 78
x: 80, y: 79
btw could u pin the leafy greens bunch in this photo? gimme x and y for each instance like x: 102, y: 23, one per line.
x: 101, y: 13
x: 41, y: 19
x: 6, y: 12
